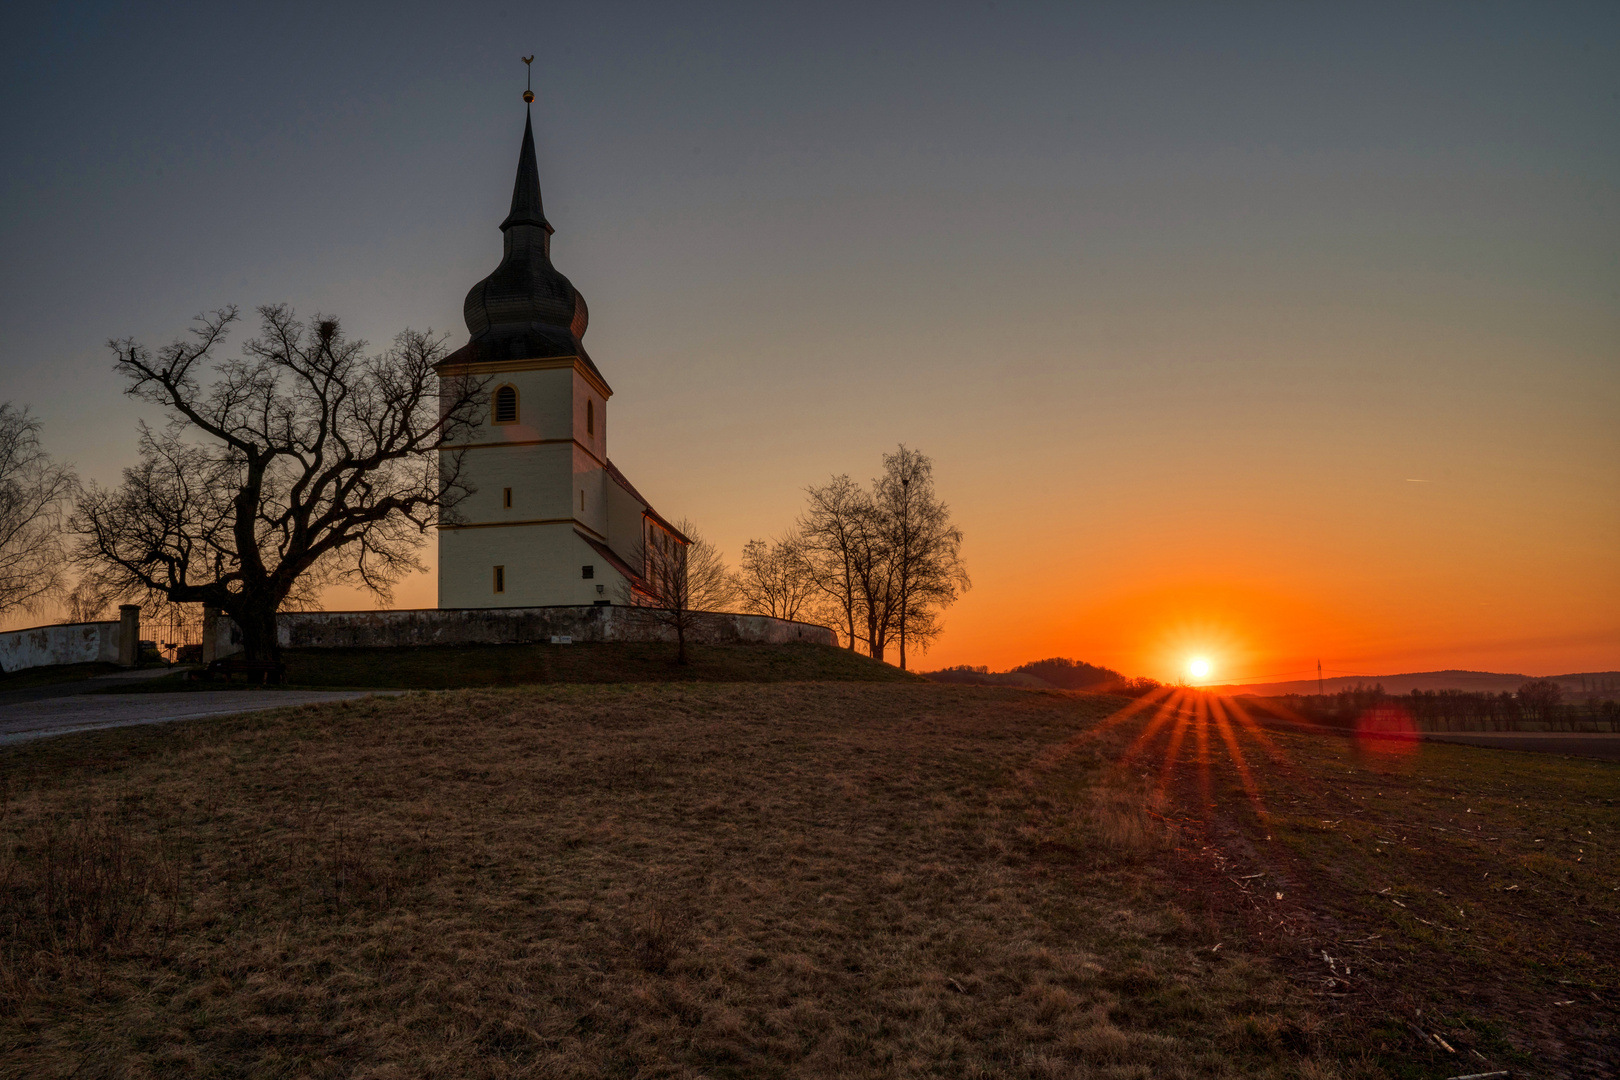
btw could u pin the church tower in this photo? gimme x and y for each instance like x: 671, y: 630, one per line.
x: 551, y: 521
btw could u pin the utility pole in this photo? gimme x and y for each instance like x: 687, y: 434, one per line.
x: 1319, y: 678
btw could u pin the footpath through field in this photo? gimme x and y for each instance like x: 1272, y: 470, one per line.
x: 64, y: 714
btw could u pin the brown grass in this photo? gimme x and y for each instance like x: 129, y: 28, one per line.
x: 1412, y: 889
x: 684, y: 880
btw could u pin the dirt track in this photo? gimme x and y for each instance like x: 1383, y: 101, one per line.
x: 39, y: 719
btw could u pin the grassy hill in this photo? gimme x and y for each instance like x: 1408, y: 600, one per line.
x: 453, y: 667
x: 445, y: 667
x: 833, y: 879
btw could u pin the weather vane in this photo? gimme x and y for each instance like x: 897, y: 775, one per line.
x: 528, y: 80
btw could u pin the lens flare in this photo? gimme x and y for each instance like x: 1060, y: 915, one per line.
x: 1199, y: 667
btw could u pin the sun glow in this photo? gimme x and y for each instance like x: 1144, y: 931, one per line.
x: 1199, y: 667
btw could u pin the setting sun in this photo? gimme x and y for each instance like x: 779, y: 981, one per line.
x: 1199, y: 668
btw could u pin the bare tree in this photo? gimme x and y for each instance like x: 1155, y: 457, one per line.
x: 303, y: 463
x: 888, y: 560
x: 873, y: 568
x: 849, y: 560
x: 1540, y: 699
x: 924, y: 548
x: 86, y: 602
x: 832, y: 530
x: 775, y: 578
x: 32, y: 493
x: 679, y: 582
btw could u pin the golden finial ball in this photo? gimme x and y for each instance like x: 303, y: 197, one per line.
x: 528, y: 96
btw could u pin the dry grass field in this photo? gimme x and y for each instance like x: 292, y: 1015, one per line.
x: 741, y: 880
x: 715, y: 880
x: 1449, y: 909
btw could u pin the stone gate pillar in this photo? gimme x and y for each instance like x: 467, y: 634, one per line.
x: 210, y: 633
x: 129, y: 635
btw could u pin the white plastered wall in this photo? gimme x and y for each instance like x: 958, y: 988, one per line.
x: 552, y: 460
x: 544, y: 566
x: 624, y: 522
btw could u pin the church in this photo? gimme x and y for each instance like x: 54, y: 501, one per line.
x: 550, y: 521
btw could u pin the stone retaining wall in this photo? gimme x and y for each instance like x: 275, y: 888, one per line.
x: 496, y: 626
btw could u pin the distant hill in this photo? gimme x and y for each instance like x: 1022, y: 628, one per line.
x: 1053, y: 673
x: 1070, y: 674
x: 1579, y: 685
x: 983, y: 676
x: 1061, y: 674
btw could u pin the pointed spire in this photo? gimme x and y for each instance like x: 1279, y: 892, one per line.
x: 526, y: 208
x: 525, y: 309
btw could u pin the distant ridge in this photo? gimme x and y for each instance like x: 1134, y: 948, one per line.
x: 1581, y: 684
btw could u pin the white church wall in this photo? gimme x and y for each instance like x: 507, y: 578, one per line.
x: 590, y: 480
x: 623, y: 521
x: 543, y: 566
x: 551, y: 459
x: 545, y: 405
x: 539, y: 477
x: 589, y: 416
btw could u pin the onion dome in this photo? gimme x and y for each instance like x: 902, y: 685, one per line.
x: 525, y: 309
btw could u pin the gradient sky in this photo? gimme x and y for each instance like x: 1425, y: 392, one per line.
x: 1262, y: 331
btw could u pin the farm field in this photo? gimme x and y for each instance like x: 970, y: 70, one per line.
x: 1416, y: 888
x: 796, y: 879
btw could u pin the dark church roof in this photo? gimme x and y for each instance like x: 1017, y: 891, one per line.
x: 525, y: 309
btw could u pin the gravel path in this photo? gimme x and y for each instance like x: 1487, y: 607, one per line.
x: 22, y: 721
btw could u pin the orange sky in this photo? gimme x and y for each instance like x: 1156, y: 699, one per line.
x: 1262, y: 528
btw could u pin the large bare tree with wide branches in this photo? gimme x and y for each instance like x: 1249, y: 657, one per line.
x: 304, y: 462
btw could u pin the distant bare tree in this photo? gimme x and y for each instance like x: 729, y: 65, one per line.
x: 679, y: 583
x: 923, y: 547
x: 775, y: 578
x: 32, y: 493
x: 304, y: 462
x: 1540, y: 698
x: 86, y: 603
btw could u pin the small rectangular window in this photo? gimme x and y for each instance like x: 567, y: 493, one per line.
x: 582, y: 498
x: 506, y: 498
x: 500, y: 579
x: 590, y: 417
x: 587, y: 571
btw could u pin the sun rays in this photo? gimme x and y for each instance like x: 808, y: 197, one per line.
x: 1189, y: 736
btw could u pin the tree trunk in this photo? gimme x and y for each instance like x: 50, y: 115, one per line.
x: 680, y: 638
x: 877, y: 638
x: 258, y: 625
x: 902, y: 626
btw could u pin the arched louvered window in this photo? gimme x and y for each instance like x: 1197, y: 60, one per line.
x: 506, y: 405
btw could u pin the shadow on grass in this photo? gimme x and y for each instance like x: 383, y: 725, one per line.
x: 454, y: 666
